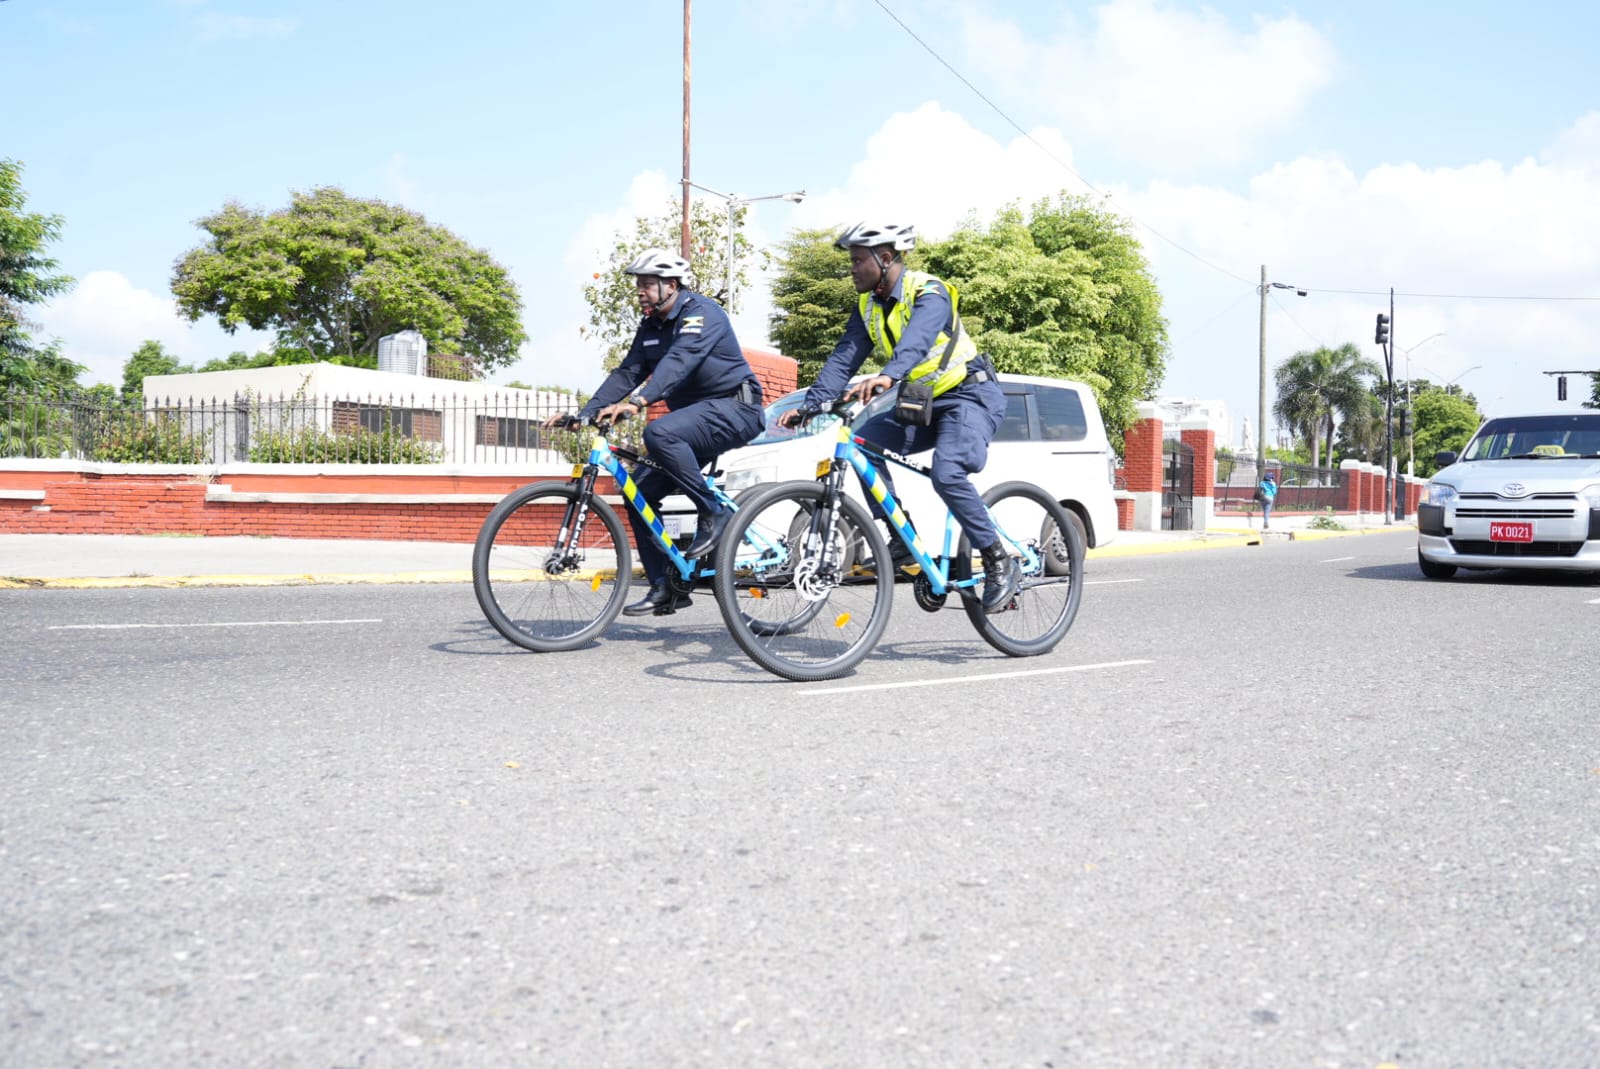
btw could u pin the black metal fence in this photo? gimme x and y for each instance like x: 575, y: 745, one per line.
x: 495, y: 428
x: 1300, y: 486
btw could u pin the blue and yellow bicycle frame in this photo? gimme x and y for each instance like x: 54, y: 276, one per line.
x: 852, y: 451
x: 602, y: 458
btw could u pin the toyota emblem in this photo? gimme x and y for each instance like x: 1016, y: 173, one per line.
x: 1513, y: 490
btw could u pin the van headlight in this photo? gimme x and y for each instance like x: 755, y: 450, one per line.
x: 745, y: 478
x: 1591, y: 494
x: 1440, y: 494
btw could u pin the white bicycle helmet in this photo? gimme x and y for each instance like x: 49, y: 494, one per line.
x: 663, y: 263
x: 871, y: 234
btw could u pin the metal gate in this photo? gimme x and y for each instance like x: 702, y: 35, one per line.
x: 1177, y: 487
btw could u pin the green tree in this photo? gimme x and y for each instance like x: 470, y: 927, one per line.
x: 332, y: 274
x: 1318, y: 387
x: 1442, y: 420
x: 811, y: 296
x: 1594, y: 392
x: 27, y: 276
x: 1063, y: 291
x: 149, y: 359
x: 613, y: 304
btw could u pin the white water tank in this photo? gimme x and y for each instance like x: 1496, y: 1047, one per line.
x: 405, y: 353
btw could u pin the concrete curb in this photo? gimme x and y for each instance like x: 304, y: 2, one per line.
x: 1222, y: 538
x: 110, y: 582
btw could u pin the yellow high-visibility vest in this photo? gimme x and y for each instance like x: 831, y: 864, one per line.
x: 885, y: 331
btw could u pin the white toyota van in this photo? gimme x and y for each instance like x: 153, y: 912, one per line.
x: 1052, y: 436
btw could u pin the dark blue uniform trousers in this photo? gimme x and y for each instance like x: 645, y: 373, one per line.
x: 964, y: 422
x: 683, y: 441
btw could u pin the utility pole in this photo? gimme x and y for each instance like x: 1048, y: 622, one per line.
x: 683, y: 234
x: 1261, y: 408
x: 1261, y: 411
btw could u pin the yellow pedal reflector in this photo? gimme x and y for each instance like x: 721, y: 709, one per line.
x: 594, y: 584
x: 758, y: 593
x: 842, y: 620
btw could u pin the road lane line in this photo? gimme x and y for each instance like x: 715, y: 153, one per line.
x: 1336, y: 560
x: 984, y: 678
x: 220, y: 623
x: 1109, y: 582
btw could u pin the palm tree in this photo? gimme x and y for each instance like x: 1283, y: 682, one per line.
x: 1319, y: 387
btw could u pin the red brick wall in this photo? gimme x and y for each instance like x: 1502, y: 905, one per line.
x: 1142, y: 460
x: 1204, y: 444
x: 89, y: 503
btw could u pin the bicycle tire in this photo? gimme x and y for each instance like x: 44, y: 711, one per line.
x: 1046, y: 602
x: 787, y: 606
x: 544, y: 597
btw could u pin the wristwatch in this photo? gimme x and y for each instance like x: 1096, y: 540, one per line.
x: 637, y: 400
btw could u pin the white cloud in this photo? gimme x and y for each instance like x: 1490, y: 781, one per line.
x: 1455, y: 242
x: 1188, y: 81
x: 243, y: 27
x: 975, y: 174
x: 105, y: 318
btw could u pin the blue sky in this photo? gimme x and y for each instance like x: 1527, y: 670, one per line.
x: 1450, y: 150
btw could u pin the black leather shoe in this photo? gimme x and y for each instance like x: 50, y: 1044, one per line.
x: 1001, y: 577
x: 658, y: 601
x: 705, y: 540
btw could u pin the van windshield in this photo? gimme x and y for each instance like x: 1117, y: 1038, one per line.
x: 771, y: 431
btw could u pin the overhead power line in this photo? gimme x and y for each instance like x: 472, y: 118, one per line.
x: 1058, y: 160
x: 1146, y: 226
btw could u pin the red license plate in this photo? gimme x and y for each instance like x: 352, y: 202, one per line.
x: 1511, y: 532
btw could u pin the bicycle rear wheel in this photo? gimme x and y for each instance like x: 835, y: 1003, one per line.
x: 1033, y: 525
x: 544, y: 583
x: 797, y: 603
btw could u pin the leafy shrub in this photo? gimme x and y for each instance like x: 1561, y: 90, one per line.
x: 312, y: 445
x: 131, y: 438
x: 1326, y: 523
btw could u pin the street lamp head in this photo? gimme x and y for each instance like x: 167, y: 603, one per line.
x: 795, y: 197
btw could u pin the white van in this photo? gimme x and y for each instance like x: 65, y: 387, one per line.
x: 1052, y: 436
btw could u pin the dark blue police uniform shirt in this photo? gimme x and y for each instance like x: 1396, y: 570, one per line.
x: 929, y: 315
x: 689, y: 356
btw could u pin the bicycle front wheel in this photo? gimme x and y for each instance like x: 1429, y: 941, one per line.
x: 1049, y: 541
x: 547, y: 578
x: 795, y: 596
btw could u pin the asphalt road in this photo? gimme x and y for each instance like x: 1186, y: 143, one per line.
x: 1288, y: 805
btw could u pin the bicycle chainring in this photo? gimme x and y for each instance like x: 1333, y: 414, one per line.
x: 927, y: 600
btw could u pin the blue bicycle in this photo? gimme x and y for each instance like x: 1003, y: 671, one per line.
x: 805, y: 580
x: 553, y: 564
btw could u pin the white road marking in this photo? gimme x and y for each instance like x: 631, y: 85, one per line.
x: 1109, y: 582
x: 1336, y: 560
x: 220, y: 623
x: 985, y: 678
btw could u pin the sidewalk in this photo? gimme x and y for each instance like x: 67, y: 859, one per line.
x: 91, y: 561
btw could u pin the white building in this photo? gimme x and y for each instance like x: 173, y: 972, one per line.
x: 467, y: 422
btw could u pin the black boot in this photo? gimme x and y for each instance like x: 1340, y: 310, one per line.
x: 659, y: 601
x: 1001, y: 575
x: 705, y: 540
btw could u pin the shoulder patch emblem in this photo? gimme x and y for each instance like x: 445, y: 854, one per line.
x: 692, y: 325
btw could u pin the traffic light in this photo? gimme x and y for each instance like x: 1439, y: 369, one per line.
x: 1405, y: 422
x: 1381, y: 336
x: 1561, y: 387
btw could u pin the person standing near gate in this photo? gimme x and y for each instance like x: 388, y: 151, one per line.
x: 1267, y: 493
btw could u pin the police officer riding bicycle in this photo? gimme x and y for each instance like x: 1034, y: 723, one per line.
x: 910, y: 321
x: 684, y: 353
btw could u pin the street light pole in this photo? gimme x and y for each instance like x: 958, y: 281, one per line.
x: 1411, y: 438
x: 733, y: 201
x: 1261, y: 411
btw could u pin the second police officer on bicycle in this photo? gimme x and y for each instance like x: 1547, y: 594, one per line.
x: 910, y: 321
x: 684, y: 353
